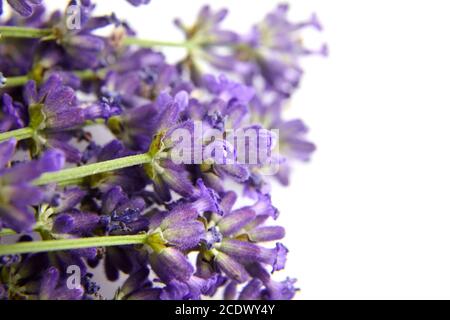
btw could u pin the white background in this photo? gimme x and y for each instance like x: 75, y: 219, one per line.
x: 369, y: 216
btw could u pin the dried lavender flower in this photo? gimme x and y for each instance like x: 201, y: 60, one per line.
x: 153, y: 191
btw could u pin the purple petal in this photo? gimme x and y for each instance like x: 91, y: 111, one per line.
x: 177, y: 178
x: 23, y: 194
x: 235, y: 221
x: 76, y: 222
x: 20, y: 219
x: 264, y: 207
x: 179, y: 215
x: 48, y: 284
x: 112, y: 199
x: 207, y: 199
x: 70, y: 198
x: 59, y: 100
x: 228, y: 201
x: 280, y: 259
x: 51, y: 160
x: 230, y: 292
x: 270, y: 233
x: 252, y: 291
x: 231, y: 267
x: 185, y: 235
x: 171, y: 264
x: 135, y: 281
x: 7, y: 150
x: 50, y: 85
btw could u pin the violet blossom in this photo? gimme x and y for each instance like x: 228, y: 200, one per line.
x: 103, y: 139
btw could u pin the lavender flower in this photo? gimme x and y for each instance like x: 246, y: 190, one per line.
x: 139, y: 197
x: 54, y: 109
x: 138, y: 2
x: 13, y: 116
x: 23, y: 7
x: 17, y: 194
x: 273, y: 49
x: 270, y: 52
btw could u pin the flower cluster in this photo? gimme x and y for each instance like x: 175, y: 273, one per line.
x: 177, y: 203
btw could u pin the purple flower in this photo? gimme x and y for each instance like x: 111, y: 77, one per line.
x: 119, y: 259
x: 14, y: 115
x: 34, y: 277
x: 179, y: 228
x: 55, y: 107
x: 17, y: 194
x: 192, y: 289
x: 207, y: 34
x: 17, y: 56
x: 138, y: 2
x: 232, y: 242
x: 292, y: 137
x: 83, y: 49
x: 252, y: 291
x: 273, y: 50
x: 270, y: 53
x: 171, y: 264
x: 22, y: 7
x: 129, y: 179
x: 219, y: 125
x: 53, y: 110
x: 227, y: 90
x: 273, y: 290
x: 134, y: 89
x: 122, y: 215
x: 52, y: 288
x: 75, y: 222
x: 207, y: 30
x: 244, y: 251
x: 138, y: 287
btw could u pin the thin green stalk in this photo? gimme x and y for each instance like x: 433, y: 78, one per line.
x: 20, y: 32
x: 90, y: 74
x: 7, y: 232
x: 143, y: 43
x: 15, y: 81
x: 11, y: 82
x: 19, y: 134
x: 70, y: 244
x: 73, y: 174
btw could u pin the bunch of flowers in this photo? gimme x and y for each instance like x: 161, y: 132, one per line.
x: 179, y: 199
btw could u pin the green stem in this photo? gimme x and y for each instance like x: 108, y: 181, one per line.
x: 63, y: 176
x: 16, y: 81
x: 11, y: 82
x: 19, y: 32
x: 90, y: 74
x: 70, y: 244
x: 130, y: 41
x: 19, y: 134
x: 7, y: 232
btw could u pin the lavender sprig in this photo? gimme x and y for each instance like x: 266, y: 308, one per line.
x: 158, y: 191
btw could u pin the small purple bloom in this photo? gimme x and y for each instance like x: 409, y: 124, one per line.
x: 233, y: 269
x: 138, y: 2
x: 138, y: 287
x: 23, y: 7
x: 17, y: 194
x: 14, y: 115
x: 274, y: 290
x: 53, y: 289
x: 171, y: 264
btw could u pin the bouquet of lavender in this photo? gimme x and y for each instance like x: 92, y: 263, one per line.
x: 179, y: 199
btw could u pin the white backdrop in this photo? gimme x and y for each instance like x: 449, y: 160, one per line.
x: 369, y: 217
